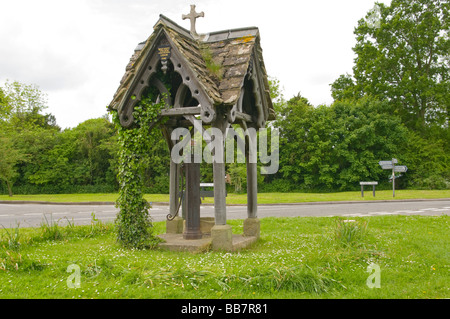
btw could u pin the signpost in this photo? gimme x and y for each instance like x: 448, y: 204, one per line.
x: 395, y: 169
x: 400, y: 169
x: 367, y: 183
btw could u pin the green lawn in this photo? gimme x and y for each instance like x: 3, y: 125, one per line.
x: 263, y: 198
x: 302, y: 257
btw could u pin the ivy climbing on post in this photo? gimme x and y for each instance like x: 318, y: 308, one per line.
x: 134, y: 226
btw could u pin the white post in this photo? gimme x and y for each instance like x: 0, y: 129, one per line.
x: 173, y: 188
x: 393, y: 178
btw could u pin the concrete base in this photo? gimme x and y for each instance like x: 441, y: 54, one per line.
x: 215, y: 237
x: 222, y: 237
x: 252, y: 227
x: 206, y: 224
x: 174, y: 226
x: 175, y: 242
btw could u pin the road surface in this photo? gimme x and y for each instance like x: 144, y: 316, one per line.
x: 33, y: 215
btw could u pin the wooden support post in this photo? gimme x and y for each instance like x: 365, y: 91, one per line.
x: 221, y: 234
x: 192, y: 230
x: 173, y: 188
x: 252, y: 190
x: 220, y: 205
x: 252, y: 224
x: 183, y: 204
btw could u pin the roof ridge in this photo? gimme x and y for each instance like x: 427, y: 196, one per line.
x: 170, y: 23
x: 207, y: 37
x: 234, y: 30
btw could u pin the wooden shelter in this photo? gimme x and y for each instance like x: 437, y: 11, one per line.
x: 218, y: 78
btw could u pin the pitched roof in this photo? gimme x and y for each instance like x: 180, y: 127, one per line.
x: 231, y: 50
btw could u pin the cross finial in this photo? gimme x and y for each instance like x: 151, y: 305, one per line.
x: 193, y: 16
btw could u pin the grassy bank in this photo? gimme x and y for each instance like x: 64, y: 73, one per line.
x: 263, y: 198
x: 295, y: 258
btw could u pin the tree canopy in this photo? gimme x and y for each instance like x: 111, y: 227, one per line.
x: 403, y: 56
x: 337, y: 146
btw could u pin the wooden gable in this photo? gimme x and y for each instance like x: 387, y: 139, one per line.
x: 217, y: 73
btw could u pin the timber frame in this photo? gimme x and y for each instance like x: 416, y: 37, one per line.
x: 219, y: 78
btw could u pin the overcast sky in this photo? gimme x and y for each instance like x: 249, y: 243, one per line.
x: 76, y: 51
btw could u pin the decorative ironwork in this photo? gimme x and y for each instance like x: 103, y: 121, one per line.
x: 169, y: 216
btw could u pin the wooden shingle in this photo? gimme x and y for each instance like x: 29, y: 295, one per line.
x: 233, y: 53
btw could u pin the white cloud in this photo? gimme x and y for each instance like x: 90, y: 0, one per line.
x: 76, y: 50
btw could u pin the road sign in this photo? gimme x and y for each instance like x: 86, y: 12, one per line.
x: 400, y: 169
x: 395, y: 169
x: 368, y: 183
x: 206, y: 184
x: 391, y: 162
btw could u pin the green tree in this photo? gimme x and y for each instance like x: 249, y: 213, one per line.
x: 21, y: 119
x: 36, y: 143
x: 344, y: 88
x: 9, y: 158
x: 94, y: 147
x: 54, y: 164
x: 335, y: 147
x: 362, y: 136
x: 293, y: 122
x: 73, y: 160
x: 26, y: 104
x: 428, y: 162
x: 403, y: 57
x: 276, y: 94
x: 80, y: 156
x: 5, y: 108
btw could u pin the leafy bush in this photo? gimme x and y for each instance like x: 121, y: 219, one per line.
x: 134, y: 228
x: 336, y: 147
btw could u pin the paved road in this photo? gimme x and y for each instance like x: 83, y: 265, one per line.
x: 32, y: 215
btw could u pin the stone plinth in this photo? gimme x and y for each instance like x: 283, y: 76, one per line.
x: 178, y: 224
x: 206, y: 224
x: 252, y: 227
x: 174, y: 226
x: 222, y: 237
x: 176, y: 242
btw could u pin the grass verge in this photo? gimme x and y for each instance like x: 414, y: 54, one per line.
x: 263, y: 198
x: 301, y: 257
